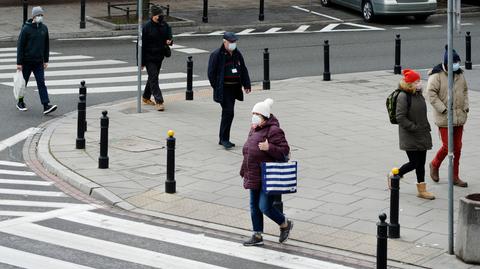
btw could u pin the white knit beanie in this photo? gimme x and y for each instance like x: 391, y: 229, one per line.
x: 264, y: 107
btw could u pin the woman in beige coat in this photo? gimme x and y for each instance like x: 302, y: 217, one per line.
x: 437, y: 90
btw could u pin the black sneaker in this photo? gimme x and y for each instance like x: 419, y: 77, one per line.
x: 21, y: 106
x: 47, y: 109
x: 285, y: 232
x: 255, y: 240
x: 227, y: 144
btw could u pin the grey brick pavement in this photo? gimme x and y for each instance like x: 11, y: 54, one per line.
x: 339, y: 133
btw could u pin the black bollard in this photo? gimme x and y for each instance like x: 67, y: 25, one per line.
x: 205, y: 11
x: 189, y: 93
x: 103, y: 159
x: 83, y: 91
x: 277, y: 202
x: 397, y: 69
x: 326, y: 61
x: 80, y: 142
x: 82, y: 14
x: 266, y: 70
x: 468, y: 46
x: 109, y: 10
x: 394, y: 226
x: 170, y: 184
x: 382, y: 240
x: 261, y: 15
x: 25, y: 11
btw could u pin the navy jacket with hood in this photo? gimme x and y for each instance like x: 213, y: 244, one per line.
x: 33, y: 44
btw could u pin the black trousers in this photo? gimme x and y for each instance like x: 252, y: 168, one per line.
x: 228, y: 107
x: 152, y: 87
x: 416, y: 161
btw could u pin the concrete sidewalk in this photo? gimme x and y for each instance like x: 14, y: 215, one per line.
x: 338, y: 132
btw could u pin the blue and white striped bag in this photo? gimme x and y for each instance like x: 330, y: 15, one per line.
x: 279, y: 178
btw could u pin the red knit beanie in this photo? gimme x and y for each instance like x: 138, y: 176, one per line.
x: 410, y: 76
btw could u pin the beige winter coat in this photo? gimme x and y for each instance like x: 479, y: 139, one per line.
x: 437, y: 92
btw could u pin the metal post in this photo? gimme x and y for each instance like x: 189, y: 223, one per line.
x: 83, y: 91
x: 128, y: 14
x: 450, y: 125
x: 170, y: 184
x: 103, y: 159
x: 261, y: 15
x: 382, y: 242
x: 277, y: 202
x: 25, y: 11
x: 189, y: 93
x: 394, y: 226
x: 468, y: 47
x: 397, y: 69
x: 82, y: 14
x: 109, y: 11
x: 139, y: 57
x: 326, y: 61
x: 205, y: 11
x: 168, y: 10
x: 80, y: 142
x: 266, y: 70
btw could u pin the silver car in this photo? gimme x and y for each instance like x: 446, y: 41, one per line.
x: 420, y: 9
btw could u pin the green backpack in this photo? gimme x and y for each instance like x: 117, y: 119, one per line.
x: 392, y: 105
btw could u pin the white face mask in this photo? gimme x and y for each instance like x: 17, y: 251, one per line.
x: 39, y: 19
x: 232, y: 46
x: 456, y: 66
x: 256, y: 120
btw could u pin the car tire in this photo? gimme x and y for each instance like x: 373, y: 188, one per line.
x: 367, y: 11
x: 325, y: 3
x: 421, y: 18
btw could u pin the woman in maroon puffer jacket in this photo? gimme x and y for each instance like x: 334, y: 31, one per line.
x: 266, y: 142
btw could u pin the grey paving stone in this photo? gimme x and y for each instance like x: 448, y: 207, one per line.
x: 367, y: 227
x: 340, y: 198
x: 298, y: 214
x: 336, y: 209
x: 332, y: 220
x: 343, y: 188
x: 305, y: 204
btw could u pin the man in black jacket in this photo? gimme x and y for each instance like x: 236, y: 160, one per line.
x: 227, y: 74
x: 33, y: 49
x: 156, y: 35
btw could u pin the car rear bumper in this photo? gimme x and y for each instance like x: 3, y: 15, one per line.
x: 412, y: 8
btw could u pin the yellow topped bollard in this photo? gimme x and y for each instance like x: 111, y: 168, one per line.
x: 170, y: 133
x: 395, y: 171
x: 394, y: 226
x: 170, y: 184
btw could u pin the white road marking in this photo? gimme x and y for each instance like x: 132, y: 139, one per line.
x: 33, y: 193
x: 198, y: 241
x: 71, y: 64
x: 4, y: 55
x: 54, y: 58
x: 174, y: 85
x: 466, y: 24
x: 25, y: 182
x: 28, y: 260
x: 99, y: 38
x: 6, y: 143
x: 8, y: 49
x: 16, y: 173
x: 301, y: 28
x: 81, y: 72
x: 316, y: 13
x: 432, y: 26
x: 216, y: 33
x: 176, y: 46
x: 401, y: 28
x: 185, y: 34
x: 273, y: 30
x: 104, y: 248
x: 246, y: 31
x: 17, y: 213
x: 191, y: 51
x: 15, y: 164
x: 37, y: 203
x: 359, y: 27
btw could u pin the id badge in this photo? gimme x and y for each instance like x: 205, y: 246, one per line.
x: 234, y: 70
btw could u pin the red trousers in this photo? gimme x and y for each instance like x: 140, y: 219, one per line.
x: 443, y: 151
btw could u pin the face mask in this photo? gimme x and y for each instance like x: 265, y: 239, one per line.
x: 39, y: 19
x: 456, y: 66
x: 419, y: 85
x: 256, y: 120
x: 232, y: 46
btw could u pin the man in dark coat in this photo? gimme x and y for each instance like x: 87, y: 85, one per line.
x: 156, y: 35
x: 227, y: 74
x: 33, y: 49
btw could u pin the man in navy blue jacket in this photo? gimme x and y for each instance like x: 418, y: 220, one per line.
x: 227, y: 74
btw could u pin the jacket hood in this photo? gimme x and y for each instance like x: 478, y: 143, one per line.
x: 441, y: 68
x: 407, y: 87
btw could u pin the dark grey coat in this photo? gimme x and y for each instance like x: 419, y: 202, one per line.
x: 413, y: 126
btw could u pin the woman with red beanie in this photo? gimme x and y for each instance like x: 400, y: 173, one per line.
x: 413, y: 129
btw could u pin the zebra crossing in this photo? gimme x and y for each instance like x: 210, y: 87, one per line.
x: 65, y: 72
x: 42, y: 226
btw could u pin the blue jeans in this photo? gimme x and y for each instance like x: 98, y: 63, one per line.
x: 39, y: 73
x: 261, y: 203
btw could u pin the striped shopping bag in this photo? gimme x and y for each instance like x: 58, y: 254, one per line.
x: 279, y: 178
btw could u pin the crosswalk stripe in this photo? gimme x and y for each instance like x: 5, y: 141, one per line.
x: 16, y: 213
x: 28, y: 260
x: 17, y: 138
x: 301, y: 29
x: 107, y: 80
x: 54, y: 58
x: 4, y: 55
x: 8, y: 49
x: 432, y: 26
x: 273, y: 30
x: 37, y: 203
x: 33, y: 193
x: 104, y: 248
x: 185, y: 34
x: 25, y: 182
x: 16, y: 173
x: 192, y: 50
x: 81, y: 72
x: 246, y: 31
x: 71, y: 64
x: 198, y: 241
x: 216, y: 33
x: 176, y: 46
x: 166, y: 86
x: 16, y: 164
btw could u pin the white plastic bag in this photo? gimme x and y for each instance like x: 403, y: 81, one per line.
x: 18, y: 85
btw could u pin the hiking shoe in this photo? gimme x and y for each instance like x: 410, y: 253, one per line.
x: 21, y: 106
x: 47, y: 109
x: 159, y: 107
x: 285, y: 232
x: 148, y: 101
x: 255, y: 240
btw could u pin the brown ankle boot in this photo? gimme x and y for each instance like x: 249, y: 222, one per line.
x: 423, y: 193
x: 460, y: 183
x: 434, y: 173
